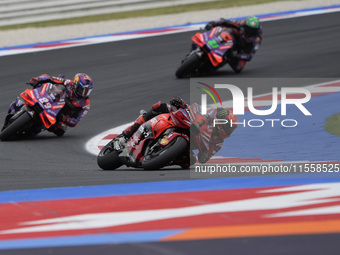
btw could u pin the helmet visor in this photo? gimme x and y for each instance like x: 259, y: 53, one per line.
x: 83, y: 91
x: 250, y: 31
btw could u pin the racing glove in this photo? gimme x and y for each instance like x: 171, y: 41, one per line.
x: 37, y: 81
x: 178, y: 103
x: 210, y: 25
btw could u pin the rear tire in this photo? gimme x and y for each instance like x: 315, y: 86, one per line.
x: 9, y: 132
x: 167, y: 155
x: 108, y: 158
x: 189, y: 66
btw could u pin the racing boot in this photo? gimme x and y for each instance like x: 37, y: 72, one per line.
x: 128, y: 132
x: 60, y: 129
x: 237, y: 65
x: 193, y: 158
x: 144, y: 116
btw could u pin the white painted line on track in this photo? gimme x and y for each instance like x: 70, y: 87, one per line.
x: 151, y: 32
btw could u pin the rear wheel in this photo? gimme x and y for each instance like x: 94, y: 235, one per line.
x: 163, y: 157
x: 18, y: 124
x: 190, y: 66
x: 108, y: 158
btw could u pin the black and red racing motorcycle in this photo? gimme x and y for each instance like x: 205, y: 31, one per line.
x: 162, y: 141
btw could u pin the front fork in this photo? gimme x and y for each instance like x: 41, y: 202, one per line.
x: 15, y: 106
x: 16, y: 109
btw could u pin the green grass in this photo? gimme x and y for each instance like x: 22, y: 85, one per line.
x: 143, y: 13
x: 333, y: 124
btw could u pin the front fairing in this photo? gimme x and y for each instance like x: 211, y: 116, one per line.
x: 181, y: 118
x: 213, y: 44
x: 46, y: 101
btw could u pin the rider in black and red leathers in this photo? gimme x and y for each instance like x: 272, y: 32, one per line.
x: 216, y: 137
x: 248, y: 35
x: 76, y: 95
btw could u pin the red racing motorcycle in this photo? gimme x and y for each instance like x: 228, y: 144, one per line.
x: 162, y: 141
x: 209, y: 52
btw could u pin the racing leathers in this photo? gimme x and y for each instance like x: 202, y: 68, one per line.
x: 246, y: 43
x: 211, y: 140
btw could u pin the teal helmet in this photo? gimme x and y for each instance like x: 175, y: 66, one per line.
x: 252, y: 26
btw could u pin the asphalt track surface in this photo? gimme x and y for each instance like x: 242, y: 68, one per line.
x: 134, y: 74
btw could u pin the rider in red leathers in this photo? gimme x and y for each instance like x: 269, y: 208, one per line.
x: 76, y: 95
x: 215, y: 137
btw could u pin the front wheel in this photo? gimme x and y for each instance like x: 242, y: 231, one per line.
x: 108, y: 158
x: 166, y: 155
x: 12, y: 129
x: 189, y: 66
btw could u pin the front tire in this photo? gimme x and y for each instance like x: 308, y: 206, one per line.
x: 189, y: 66
x: 108, y: 158
x: 167, y: 155
x: 10, y: 131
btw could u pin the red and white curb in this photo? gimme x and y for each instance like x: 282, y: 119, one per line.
x: 95, y: 144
